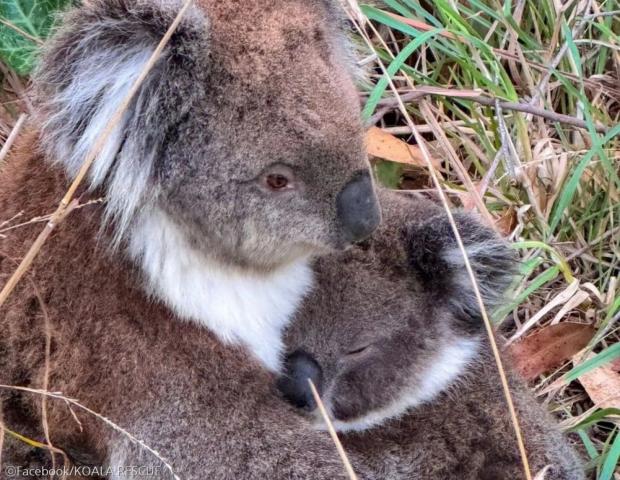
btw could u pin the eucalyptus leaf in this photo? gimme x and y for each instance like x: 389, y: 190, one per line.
x: 25, y: 24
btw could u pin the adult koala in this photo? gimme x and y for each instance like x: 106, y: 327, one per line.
x: 240, y: 158
x: 392, y: 337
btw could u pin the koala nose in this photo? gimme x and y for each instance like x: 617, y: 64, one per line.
x: 357, y: 208
x: 300, y: 366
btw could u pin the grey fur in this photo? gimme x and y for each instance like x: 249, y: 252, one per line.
x: 220, y: 110
x: 403, y: 297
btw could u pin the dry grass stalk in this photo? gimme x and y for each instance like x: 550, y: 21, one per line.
x: 64, y: 207
x: 6, y: 226
x: 11, y: 138
x: 1, y: 439
x: 23, y: 33
x: 74, y: 403
x: 46, y: 371
x: 332, y: 432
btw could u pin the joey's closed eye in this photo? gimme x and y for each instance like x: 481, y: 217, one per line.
x: 358, y: 352
x: 278, y: 178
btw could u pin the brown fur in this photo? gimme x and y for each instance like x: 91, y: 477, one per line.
x: 225, y: 106
x: 205, y: 407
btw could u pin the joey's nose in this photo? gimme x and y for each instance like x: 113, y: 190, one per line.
x: 357, y: 208
x: 300, y: 366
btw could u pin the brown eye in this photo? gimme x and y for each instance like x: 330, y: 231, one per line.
x: 277, y: 181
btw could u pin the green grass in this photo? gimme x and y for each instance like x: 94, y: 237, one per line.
x: 559, y: 182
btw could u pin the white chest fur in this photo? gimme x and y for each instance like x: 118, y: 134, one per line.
x: 447, y: 366
x: 239, y: 307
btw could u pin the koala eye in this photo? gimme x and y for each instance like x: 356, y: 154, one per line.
x: 278, y: 178
x: 276, y: 181
x: 357, y: 351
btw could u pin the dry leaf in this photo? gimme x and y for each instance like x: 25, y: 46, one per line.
x: 467, y: 198
x: 560, y: 299
x: 507, y: 221
x: 549, y: 347
x: 385, y: 145
x: 602, y: 383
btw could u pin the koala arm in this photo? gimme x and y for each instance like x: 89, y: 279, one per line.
x: 261, y: 438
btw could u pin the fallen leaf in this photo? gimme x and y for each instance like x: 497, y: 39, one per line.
x: 467, y: 198
x: 560, y: 299
x: 549, y: 347
x: 385, y: 145
x: 603, y: 383
x: 507, y: 221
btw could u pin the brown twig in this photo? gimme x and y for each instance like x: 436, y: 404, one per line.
x: 64, y: 206
x: 539, y: 112
x: 490, y: 102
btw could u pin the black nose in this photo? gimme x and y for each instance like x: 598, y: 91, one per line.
x: 300, y: 366
x: 357, y: 208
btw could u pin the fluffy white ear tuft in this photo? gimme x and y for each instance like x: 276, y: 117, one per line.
x: 85, y: 107
x: 86, y: 72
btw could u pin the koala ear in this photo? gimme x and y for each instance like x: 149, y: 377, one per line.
x: 437, y: 261
x: 85, y: 73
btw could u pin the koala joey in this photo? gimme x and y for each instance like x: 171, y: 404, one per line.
x: 392, y: 337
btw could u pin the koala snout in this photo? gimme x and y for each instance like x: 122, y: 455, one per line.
x: 300, y: 366
x: 357, y: 208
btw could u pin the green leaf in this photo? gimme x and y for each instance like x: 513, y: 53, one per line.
x: 394, y: 67
x: 598, y: 416
x: 588, y: 444
x: 389, y: 174
x: 35, y: 18
x: 566, y: 197
x: 542, y: 279
x: 611, y: 460
x: 603, y: 357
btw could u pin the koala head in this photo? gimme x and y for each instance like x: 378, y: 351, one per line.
x: 246, y: 134
x: 391, y: 325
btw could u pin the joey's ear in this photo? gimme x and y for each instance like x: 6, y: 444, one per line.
x: 86, y: 71
x: 437, y: 261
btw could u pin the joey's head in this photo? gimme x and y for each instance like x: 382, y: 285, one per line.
x: 374, y: 357
x: 392, y: 322
x: 246, y: 134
